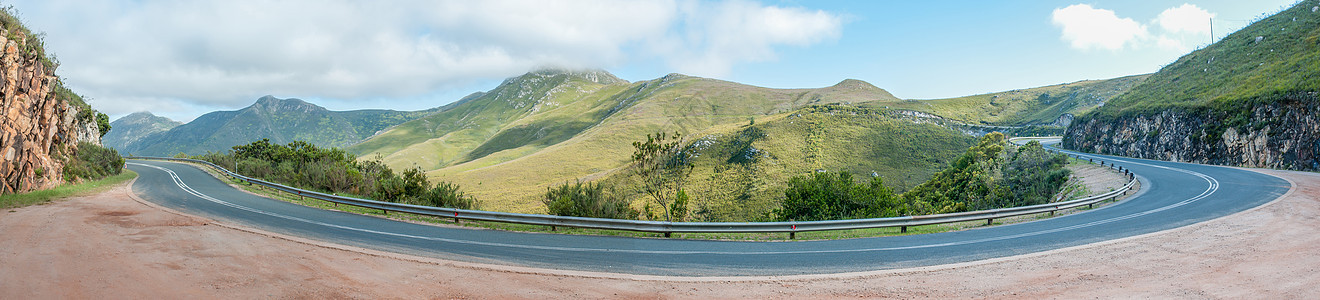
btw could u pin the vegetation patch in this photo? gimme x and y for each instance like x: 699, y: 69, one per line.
x: 92, y: 162
x: 307, y: 166
x: 88, y: 187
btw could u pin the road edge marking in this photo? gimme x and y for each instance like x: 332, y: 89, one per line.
x: 661, y: 278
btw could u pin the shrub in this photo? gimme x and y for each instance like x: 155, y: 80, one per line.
x: 306, y: 166
x: 592, y: 200
x: 445, y: 194
x: 93, y: 162
x: 834, y: 196
x: 988, y: 177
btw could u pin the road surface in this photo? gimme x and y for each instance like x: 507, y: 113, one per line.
x: 1173, y: 195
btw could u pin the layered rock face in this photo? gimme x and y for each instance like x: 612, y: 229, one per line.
x: 1279, y: 135
x: 38, y: 130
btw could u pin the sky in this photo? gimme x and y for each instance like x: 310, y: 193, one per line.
x: 181, y: 59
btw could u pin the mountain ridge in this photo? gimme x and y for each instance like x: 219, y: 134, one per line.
x: 280, y: 120
x: 133, y: 127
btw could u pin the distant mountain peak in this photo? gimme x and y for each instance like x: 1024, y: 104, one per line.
x: 592, y: 75
x: 854, y: 83
x: 143, y: 117
x: 139, y: 115
x: 270, y: 103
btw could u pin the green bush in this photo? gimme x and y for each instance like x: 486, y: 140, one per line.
x: 987, y: 177
x: 679, y: 207
x: 332, y: 170
x: 587, y: 200
x: 102, y: 123
x: 834, y: 196
x: 92, y: 162
x: 446, y: 194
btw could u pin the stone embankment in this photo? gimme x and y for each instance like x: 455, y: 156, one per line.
x: 1283, y: 134
x: 39, y: 128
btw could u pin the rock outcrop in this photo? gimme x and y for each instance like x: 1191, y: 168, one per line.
x: 39, y: 128
x: 1282, y: 134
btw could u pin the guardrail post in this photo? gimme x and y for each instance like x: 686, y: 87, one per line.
x: 902, y: 229
x: 989, y: 221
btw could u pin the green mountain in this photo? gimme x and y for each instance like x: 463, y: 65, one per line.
x: 1262, y: 62
x: 280, y: 120
x: 1249, y: 99
x: 1048, y: 105
x: 129, y: 129
x: 551, y: 126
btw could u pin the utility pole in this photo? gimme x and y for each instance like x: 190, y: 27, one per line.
x: 1212, y: 30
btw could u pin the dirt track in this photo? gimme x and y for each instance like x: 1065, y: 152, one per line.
x: 111, y: 246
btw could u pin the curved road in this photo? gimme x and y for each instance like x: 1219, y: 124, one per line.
x: 1172, y: 195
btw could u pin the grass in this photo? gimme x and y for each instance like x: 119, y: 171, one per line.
x: 1041, y: 105
x: 1235, y: 72
x: 811, y: 235
x: 497, y: 146
x: 741, y: 170
x: 64, y: 191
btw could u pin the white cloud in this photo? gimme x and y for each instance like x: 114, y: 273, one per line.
x: 1187, y: 18
x: 1183, y: 25
x: 1171, y: 44
x: 219, y: 53
x: 713, y: 38
x: 1086, y: 27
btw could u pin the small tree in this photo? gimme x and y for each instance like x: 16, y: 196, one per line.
x: 662, y: 167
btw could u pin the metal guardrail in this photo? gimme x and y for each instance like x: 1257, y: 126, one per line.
x: 681, y: 227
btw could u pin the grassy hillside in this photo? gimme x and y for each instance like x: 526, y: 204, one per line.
x: 476, y: 127
x: 1262, y: 62
x: 1033, y: 106
x: 741, y: 170
x: 548, y: 127
x: 280, y: 120
x: 130, y: 129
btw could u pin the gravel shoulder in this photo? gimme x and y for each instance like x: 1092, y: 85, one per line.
x: 111, y: 245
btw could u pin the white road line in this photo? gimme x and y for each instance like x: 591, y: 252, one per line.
x: 1214, y: 186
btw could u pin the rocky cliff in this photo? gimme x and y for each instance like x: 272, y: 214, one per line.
x: 41, y: 126
x: 1282, y: 134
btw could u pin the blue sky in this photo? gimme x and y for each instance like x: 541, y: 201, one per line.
x: 181, y: 59
x: 925, y: 50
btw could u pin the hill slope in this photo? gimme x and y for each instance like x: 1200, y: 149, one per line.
x: 547, y: 127
x: 1048, y: 105
x: 280, y: 120
x: 130, y: 129
x: 742, y: 170
x: 1249, y: 99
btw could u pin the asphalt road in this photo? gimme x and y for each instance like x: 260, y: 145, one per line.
x: 1172, y: 195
